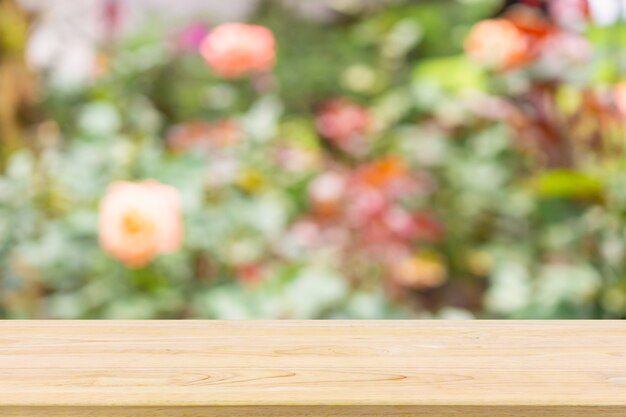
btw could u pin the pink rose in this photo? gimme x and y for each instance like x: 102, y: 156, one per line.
x: 344, y: 124
x: 233, y: 50
x: 140, y: 220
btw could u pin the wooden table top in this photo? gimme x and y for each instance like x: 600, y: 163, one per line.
x: 312, y: 368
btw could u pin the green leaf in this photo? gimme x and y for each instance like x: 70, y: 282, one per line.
x: 567, y: 184
x: 452, y: 73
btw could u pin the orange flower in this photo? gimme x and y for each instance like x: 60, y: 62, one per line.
x: 497, y: 44
x: 530, y: 22
x: 421, y: 271
x: 384, y: 172
x: 233, y: 50
x: 140, y: 220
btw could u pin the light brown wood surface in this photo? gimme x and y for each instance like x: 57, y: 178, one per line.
x: 312, y: 368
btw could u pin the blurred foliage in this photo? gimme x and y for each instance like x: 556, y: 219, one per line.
x: 511, y: 203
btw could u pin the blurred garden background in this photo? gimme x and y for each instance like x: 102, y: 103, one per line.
x: 313, y: 159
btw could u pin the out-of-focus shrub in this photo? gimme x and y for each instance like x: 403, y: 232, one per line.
x: 422, y: 159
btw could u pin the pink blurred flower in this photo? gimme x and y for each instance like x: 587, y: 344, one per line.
x: 204, y: 136
x: 111, y: 16
x: 344, y: 124
x: 427, y: 228
x: 191, y: 37
x: 251, y: 273
x: 492, y: 107
x: 571, y: 14
x: 140, y: 220
x: 297, y: 158
x: 374, y: 186
x: 305, y: 233
x: 399, y: 221
x: 420, y: 226
x: 233, y: 50
x: 365, y: 205
x: 562, y: 50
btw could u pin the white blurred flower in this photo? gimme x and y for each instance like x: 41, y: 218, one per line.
x: 607, y: 12
x: 222, y: 171
x: 327, y: 188
x: 62, y: 40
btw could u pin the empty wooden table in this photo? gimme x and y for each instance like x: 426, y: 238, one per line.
x: 312, y: 368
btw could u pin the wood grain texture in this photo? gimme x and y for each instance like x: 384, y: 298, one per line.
x: 312, y: 368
